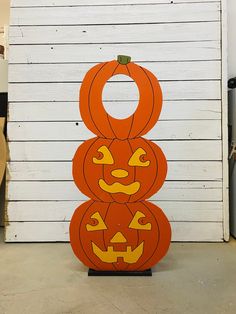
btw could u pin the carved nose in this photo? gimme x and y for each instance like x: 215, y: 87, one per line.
x: 118, y: 238
x: 119, y: 173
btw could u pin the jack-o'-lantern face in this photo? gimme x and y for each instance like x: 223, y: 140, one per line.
x: 114, y: 236
x: 120, y: 171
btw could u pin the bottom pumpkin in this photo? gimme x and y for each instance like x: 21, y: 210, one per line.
x: 113, y: 236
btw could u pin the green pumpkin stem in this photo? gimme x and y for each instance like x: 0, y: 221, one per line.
x: 123, y: 59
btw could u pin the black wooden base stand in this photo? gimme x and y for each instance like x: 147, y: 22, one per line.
x: 92, y: 272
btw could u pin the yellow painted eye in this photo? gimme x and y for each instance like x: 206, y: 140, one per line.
x: 100, y: 225
x: 106, y: 159
x: 135, y: 159
x: 135, y: 224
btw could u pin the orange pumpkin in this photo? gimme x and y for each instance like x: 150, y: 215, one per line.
x: 91, y: 106
x: 112, y: 236
x: 121, y: 171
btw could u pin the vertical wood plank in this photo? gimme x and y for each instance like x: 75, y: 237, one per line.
x: 224, y: 120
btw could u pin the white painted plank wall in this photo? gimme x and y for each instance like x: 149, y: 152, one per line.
x: 202, y: 150
x: 118, y: 33
x: 37, y: 131
x: 185, y: 70
x: 55, y: 111
x: 59, y: 231
x: 66, y: 190
x: 52, y: 46
x: 140, y: 52
x: 63, y: 3
x: 116, y: 14
x: 61, y: 171
x: 30, y: 211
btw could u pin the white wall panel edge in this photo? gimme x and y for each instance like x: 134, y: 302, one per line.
x: 225, y: 120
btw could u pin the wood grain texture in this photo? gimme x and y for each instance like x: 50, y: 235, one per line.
x: 72, y: 131
x: 63, y: 151
x: 225, y: 139
x: 114, y: 33
x: 66, y: 72
x: 59, y: 231
x: 62, y: 171
x: 140, y: 52
x: 123, y: 91
x: 66, y: 190
x: 53, y: 3
x: 53, y: 43
x: 67, y: 111
x: 63, y: 210
x: 120, y: 14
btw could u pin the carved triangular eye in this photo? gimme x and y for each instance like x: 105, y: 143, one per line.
x: 137, y: 224
x: 99, y: 223
x: 135, y: 159
x: 106, y: 159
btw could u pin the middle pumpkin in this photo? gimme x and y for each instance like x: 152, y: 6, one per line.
x: 122, y: 171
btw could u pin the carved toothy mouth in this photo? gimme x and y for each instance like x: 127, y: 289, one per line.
x: 117, y: 187
x: 110, y: 256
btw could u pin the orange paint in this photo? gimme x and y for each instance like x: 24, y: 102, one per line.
x: 87, y: 173
x: 118, y: 229
x: 116, y: 233
x: 99, y: 121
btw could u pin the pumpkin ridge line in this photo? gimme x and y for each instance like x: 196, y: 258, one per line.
x: 109, y: 204
x: 158, y: 228
x: 108, y: 116
x: 103, y: 175
x: 156, y: 166
x: 134, y: 167
x: 128, y: 69
x: 103, y: 232
x: 137, y: 230
x: 96, y: 139
x: 127, y: 205
x: 89, y: 94
x: 108, y: 119
x: 132, y: 122
x: 153, y: 97
x: 80, y: 231
x: 131, y: 125
x: 115, y: 69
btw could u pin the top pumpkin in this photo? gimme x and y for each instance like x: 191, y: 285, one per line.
x: 92, y: 110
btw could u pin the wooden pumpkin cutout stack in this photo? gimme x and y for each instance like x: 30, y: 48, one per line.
x: 118, y: 230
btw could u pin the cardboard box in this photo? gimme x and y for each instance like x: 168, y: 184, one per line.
x: 3, y: 76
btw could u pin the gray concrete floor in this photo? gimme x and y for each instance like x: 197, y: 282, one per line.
x: 47, y: 278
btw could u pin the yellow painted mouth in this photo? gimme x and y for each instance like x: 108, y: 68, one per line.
x: 117, y: 187
x: 111, y: 256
